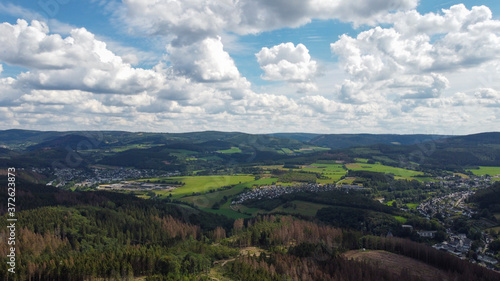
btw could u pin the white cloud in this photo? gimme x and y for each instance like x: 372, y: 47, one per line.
x: 56, y: 97
x: 414, y: 72
x: 194, y: 20
x: 286, y: 62
x: 77, y: 62
x: 413, y: 58
x: 204, y: 61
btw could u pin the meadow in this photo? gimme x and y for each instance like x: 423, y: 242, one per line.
x: 399, y: 172
x: 216, y: 196
x: 231, y: 150
x: 202, y: 184
x: 483, y: 170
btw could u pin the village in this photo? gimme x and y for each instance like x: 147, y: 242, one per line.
x: 94, y: 177
x: 450, y: 207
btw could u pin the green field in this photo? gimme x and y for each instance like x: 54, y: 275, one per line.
x: 348, y: 180
x: 201, y: 184
x: 412, y: 206
x: 400, y: 172
x: 492, y: 171
x: 209, y: 199
x: 400, y: 219
x: 231, y: 150
x: 332, y: 171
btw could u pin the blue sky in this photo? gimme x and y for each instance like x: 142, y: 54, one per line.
x: 398, y: 66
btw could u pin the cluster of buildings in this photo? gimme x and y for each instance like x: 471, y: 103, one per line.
x: 273, y: 191
x: 134, y: 185
x: 96, y: 176
x: 457, y: 244
x: 448, y: 205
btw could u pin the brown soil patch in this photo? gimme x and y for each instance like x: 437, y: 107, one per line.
x: 396, y: 264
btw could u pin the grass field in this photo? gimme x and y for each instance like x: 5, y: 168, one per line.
x: 400, y: 172
x: 412, y: 206
x: 492, y: 171
x: 400, y: 219
x: 201, y: 183
x: 389, y: 203
x: 332, y: 171
x: 133, y: 146
x: 231, y: 150
x: 209, y: 199
x: 348, y: 180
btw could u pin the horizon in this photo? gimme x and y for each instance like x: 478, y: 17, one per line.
x: 240, y: 132
x: 260, y: 67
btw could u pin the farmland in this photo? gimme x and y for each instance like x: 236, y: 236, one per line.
x: 200, y: 184
x: 492, y: 171
x: 399, y: 172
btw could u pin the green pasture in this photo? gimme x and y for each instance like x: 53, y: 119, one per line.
x: 348, y: 180
x: 310, y: 149
x: 231, y: 150
x: 209, y: 199
x: 324, y: 168
x: 201, y: 183
x: 400, y: 172
x: 483, y: 170
x: 400, y: 219
x: 412, y: 206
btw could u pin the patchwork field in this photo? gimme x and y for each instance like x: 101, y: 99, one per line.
x: 201, y: 184
x: 213, y: 197
x: 399, y: 172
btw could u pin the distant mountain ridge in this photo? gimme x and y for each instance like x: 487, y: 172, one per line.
x: 28, y: 139
x: 338, y: 141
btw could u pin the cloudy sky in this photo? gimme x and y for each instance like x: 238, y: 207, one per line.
x: 256, y: 66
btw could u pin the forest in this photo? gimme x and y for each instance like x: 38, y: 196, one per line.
x: 89, y: 235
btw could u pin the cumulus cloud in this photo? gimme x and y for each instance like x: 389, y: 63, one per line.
x: 400, y: 75
x: 413, y: 57
x: 286, y: 62
x: 205, y: 61
x: 194, y: 20
x: 78, y: 61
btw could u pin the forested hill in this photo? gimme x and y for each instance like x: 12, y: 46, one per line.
x: 77, y: 236
x: 452, y: 154
x: 336, y: 141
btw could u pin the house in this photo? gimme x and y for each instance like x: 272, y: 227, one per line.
x: 426, y: 233
x: 407, y: 226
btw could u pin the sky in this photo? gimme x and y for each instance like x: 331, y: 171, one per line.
x: 254, y: 66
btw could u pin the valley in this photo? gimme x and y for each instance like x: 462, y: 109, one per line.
x: 231, y: 190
